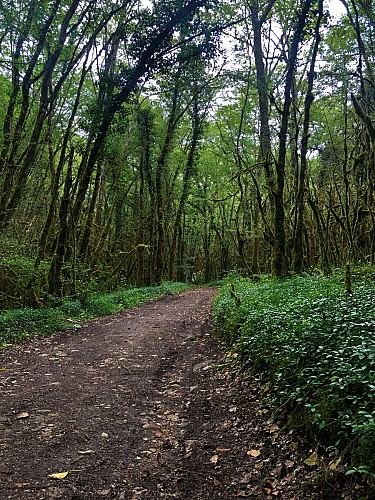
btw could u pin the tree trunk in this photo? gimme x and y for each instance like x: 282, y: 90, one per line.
x: 298, y: 240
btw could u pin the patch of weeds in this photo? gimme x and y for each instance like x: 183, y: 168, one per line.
x: 20, y: 324
x: 315, y: 347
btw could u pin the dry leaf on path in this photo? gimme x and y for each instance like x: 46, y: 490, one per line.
x: 59, y: 475
x: 222, y: 450
x: 86, y: 452
x: 246, y: 478
x: 334, y: 464
x: 214, y: 459
x: 293, y: 446
x: 274, y: 428
x: 62, y: 475
x: 22, y: 415
x: 288, y: 477
x: 312, y: 459
x: 253, y: 453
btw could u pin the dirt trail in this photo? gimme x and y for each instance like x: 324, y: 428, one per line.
x: 133, y: 406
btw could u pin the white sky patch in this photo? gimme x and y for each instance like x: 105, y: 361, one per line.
x: 336, y: 8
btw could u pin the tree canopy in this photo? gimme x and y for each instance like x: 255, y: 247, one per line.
x: 180, y: 140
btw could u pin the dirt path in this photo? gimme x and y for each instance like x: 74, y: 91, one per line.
x: 134, y: 406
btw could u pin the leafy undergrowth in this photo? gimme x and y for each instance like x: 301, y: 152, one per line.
x: 20, y: 324
x: 313, y: 350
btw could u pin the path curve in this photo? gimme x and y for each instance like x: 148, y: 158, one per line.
x: 133, y: 406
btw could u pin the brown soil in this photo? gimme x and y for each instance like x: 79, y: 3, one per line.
x: 136, y: 406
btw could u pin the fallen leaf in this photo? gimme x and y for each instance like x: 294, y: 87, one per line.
x: 214, y: 459
x: 266, y: 387
x: 246, y: 479
x: 289, y: 464
x: 86, y: 452
x: 59, y: 475
x: 173, y: 417
x: 278, y: 470
x: 190, y: 444
x: 253, y: 453
x: 312, y: 459
x: 22, y: 415
x: 158, y: 434
x: 274, y: 428
x: 288, y: 477
x: 293, y: 446
x: 2, y: 369
x: 241, y: 493
x: 334, y: 464
x: 233, y: 409
x: 222, y: 450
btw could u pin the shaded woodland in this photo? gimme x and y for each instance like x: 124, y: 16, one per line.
x: 143, y: 142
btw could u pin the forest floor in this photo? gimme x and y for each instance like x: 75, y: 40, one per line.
x: 139, y: 405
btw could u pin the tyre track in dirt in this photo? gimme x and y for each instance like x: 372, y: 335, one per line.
x: 111, y: 390
x: 133, y: 406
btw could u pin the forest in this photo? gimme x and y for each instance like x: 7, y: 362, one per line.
x: 148, y: 145
x: 151, y: 141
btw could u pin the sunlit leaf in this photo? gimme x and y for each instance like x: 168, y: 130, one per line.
x: 312, y: 459
x: 22, y: 415
x: 334, y: 464
x: 253, y: 453
x: 59, y: 475
x: 274, y: 428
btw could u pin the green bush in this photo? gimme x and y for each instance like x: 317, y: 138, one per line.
x: 100, y: 305
x: 316, y: 347
x: 21, y: 324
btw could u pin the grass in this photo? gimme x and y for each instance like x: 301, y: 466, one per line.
x: 315, y: 348
x: 21, y: 324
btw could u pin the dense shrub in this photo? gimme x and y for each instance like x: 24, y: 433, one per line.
x: 315, y: 346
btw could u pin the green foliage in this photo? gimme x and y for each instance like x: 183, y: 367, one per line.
x: 317, y: 349
x: 100, y: 305
x: 20, y: 324
x: 16, y: 271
